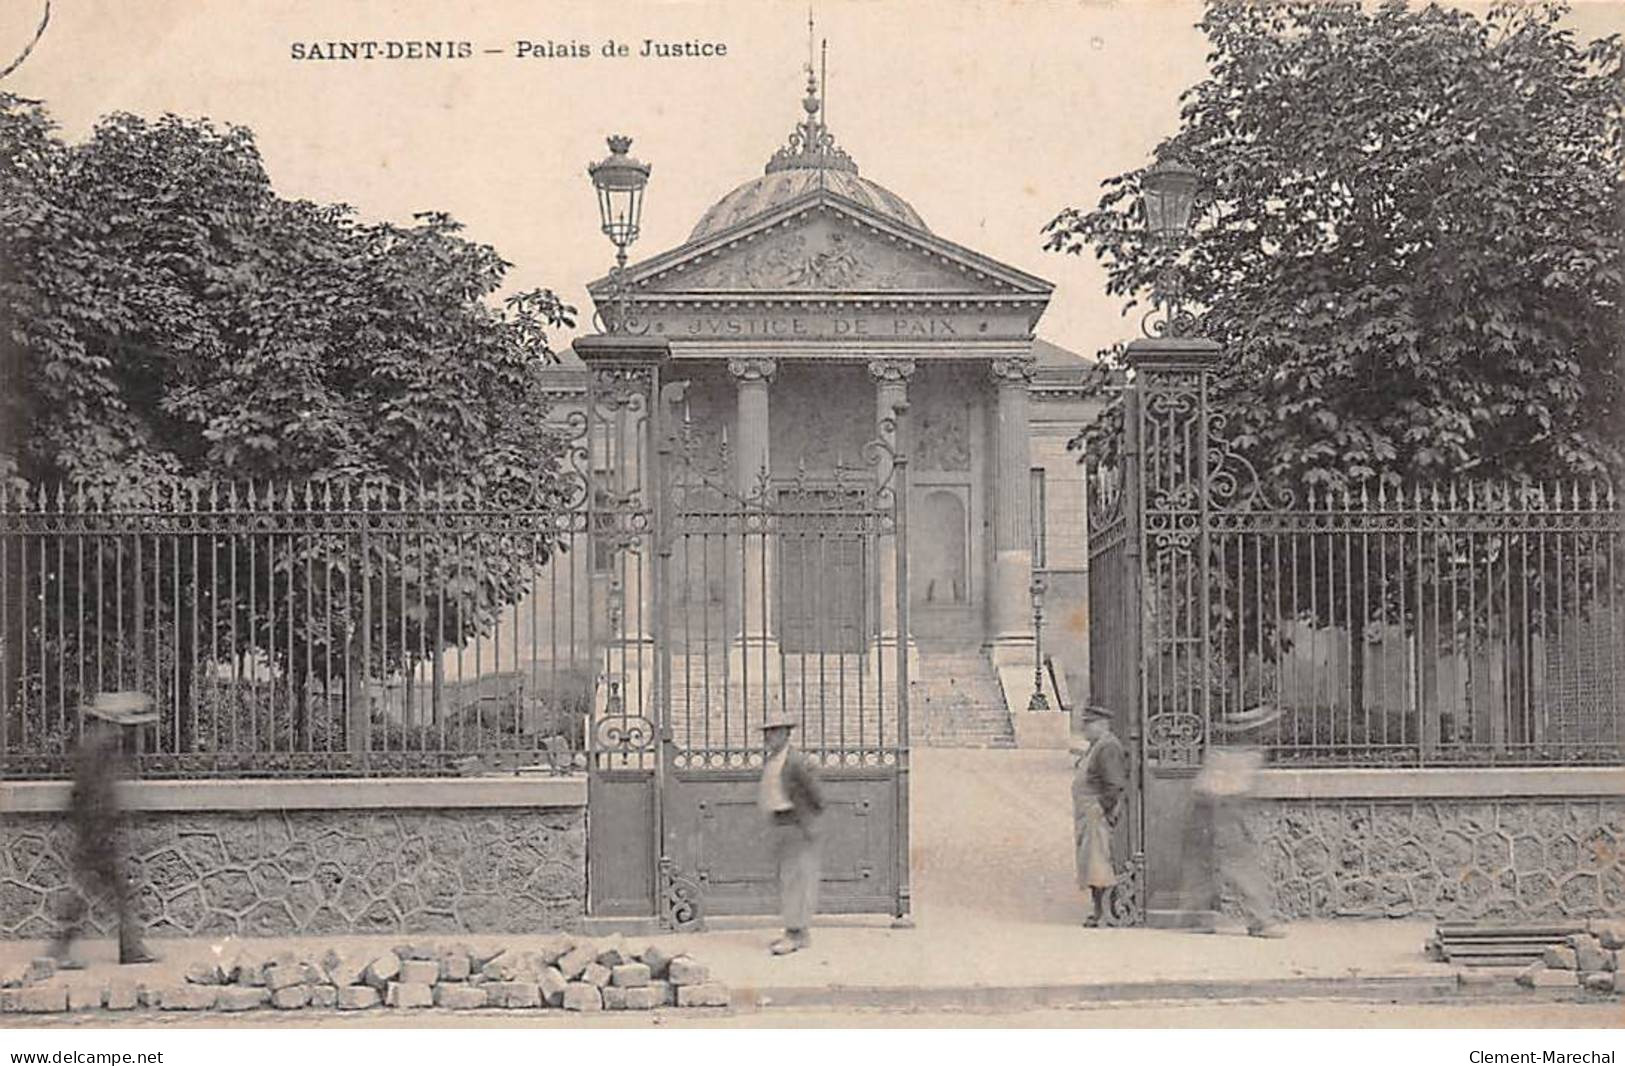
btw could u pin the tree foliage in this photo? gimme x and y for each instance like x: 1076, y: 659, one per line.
x: 1409, y: 239
x: 166, y: 312
x: 1409, y: 242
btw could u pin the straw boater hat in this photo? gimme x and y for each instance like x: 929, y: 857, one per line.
x: 122, y: 708
x: 778, y: 720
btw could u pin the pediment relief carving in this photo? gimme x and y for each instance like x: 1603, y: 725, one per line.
x: 822, y: 255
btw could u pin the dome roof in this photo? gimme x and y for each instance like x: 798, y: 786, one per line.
x: 810, y: 160
x: 779, y: 187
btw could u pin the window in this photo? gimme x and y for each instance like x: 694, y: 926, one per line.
x: 1040, y: 518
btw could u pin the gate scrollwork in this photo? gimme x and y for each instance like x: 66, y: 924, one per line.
x: 1125, y: 901
x: 682, y: 901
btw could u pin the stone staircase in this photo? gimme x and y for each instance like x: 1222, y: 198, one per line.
x: 956, y: 702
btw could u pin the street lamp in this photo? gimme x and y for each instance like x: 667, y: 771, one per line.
x: 1039, y: 702
x: 1167, y: 191
x: 1167, y: 194
x: 620, y: 180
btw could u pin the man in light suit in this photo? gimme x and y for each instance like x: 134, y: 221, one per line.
x: 792, y: 800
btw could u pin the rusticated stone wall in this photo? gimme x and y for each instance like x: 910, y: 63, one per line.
x: 1492, y: 859
x: 307, y: 872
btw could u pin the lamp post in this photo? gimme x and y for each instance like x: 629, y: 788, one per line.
x: 1167, y: 194
x: 1039, y: 702
x: 620, y: 180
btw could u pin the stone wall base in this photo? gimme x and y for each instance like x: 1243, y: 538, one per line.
x: 1456, y: 858
x: 311, y: 872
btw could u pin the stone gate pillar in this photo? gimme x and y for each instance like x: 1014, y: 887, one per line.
x: 1171, y: 644
x: 623, y: 386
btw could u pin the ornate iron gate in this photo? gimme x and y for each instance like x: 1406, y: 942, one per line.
x: 719, y: 614
x: 1116, y: 551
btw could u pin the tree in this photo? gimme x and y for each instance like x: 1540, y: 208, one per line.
x: 1409, y: 243
x: 172, y: 327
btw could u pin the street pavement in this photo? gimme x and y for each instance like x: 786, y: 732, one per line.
x: 1165, y: 1014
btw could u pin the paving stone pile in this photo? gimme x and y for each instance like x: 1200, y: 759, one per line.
x: 559, y: 972
x: 1591, y: 960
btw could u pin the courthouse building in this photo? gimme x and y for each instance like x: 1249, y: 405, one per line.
x: 807, y: 305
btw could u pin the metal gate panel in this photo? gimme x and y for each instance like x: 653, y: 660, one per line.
x: 714, y: 825
x: 1115, y: 640
x: 785, y: 638
x: 716, y: 615
x: 621, y: 856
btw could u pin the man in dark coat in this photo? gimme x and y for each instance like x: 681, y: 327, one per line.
x: 792, y: 800
x: 97, y: 822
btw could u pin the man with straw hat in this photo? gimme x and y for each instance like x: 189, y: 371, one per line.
x: 1219, y: 851
x: 94, y: 813
x: 792, y: 800
x: 1097, y: 806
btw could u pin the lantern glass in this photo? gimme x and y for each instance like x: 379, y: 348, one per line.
x: 1168, y: 191
x: 620, y: 180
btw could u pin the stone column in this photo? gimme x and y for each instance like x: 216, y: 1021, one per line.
x: 1011, y: 598
x: 891, y: 378
x: 752, y: 467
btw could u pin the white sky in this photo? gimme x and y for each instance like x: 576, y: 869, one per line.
x: 987, y: 115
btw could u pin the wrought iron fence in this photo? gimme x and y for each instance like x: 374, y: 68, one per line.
x: 332, y: 628
x: 1468, y: 623
x: 1459, y: 623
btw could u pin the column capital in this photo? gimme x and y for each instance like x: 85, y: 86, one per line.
x: 1012, y: 372
x: 891, y: 371
x: 753, y: 368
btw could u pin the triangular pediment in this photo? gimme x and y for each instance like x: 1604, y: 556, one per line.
x: 821, y: 244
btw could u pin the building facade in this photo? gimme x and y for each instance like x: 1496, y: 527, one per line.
x: 812, y: 311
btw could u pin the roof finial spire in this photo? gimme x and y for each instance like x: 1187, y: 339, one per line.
x: 811, y: 145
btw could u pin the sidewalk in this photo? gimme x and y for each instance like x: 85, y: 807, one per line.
x: 939, y: 964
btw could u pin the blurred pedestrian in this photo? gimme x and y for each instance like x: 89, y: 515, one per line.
x: 110, y: 722
x: 792, y: 800
x: 1220, y: 851
x: 1098, y: 783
